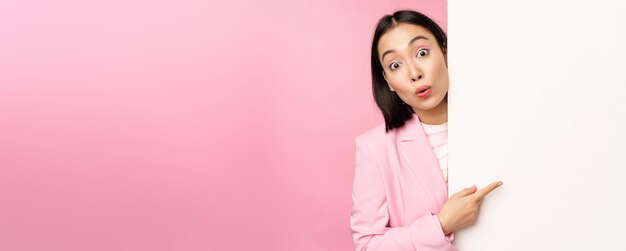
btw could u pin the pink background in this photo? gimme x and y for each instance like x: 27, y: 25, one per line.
x: 183, y: 125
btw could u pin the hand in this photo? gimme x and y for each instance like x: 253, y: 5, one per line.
x: 462, y: 208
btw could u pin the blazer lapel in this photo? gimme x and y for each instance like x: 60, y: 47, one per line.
x: 416, y: 150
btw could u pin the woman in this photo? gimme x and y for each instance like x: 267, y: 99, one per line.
x: 400, y: 196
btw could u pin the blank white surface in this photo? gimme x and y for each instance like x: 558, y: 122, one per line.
x: 538, y: 100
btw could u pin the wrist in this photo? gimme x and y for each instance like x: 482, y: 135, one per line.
x: 443, y: 224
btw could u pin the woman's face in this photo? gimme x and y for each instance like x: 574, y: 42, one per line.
x: 414, y: 66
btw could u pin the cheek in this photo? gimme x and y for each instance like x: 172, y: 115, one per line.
x: 433, y: 68
x: 439, y: 71
x: 443, y: 75
x: 397, y: 81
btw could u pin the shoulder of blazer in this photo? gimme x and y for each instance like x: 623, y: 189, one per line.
x: 375, y: 135
x: 410, y: 131
x: 377, y: 140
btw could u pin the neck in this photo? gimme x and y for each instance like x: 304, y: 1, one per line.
x: 435, y: 116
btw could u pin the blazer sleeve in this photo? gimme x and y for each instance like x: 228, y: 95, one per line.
x: 369, y: 219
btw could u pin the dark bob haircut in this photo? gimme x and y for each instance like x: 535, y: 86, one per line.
x: 394, y: 110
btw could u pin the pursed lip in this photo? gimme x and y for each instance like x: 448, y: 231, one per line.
x: 421, y: 88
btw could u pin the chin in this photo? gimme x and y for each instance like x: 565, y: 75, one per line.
x: 429, y: 104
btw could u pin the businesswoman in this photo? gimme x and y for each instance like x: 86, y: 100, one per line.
x: 400, y: 195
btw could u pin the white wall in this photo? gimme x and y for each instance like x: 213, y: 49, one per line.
x: 537, y: 100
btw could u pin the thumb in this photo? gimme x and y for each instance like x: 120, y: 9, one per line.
x: 465, y: 192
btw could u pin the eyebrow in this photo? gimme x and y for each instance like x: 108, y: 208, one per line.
x: 418, y: 37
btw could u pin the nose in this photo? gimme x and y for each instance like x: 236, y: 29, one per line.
x: 415, y: 73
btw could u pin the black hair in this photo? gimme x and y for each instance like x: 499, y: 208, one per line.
x: 394, y: 110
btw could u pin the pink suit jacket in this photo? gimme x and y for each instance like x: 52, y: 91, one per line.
x: 398, y: 189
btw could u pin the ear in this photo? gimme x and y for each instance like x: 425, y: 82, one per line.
x: 386, y: 80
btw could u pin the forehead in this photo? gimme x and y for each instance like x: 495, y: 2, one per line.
x: 399, y: 37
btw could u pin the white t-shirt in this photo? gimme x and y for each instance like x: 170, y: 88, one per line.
x: 438, y: 137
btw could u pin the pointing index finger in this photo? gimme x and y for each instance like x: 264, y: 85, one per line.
x: 480, y: 194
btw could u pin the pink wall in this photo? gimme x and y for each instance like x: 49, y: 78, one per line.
x: 183, y: 125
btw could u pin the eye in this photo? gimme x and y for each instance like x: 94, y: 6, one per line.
x: 422, y: 53
x: 394, y: 65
